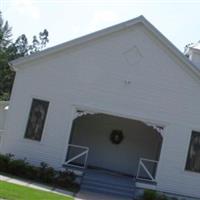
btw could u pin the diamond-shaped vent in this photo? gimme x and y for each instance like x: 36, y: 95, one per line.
x: 133, y: 56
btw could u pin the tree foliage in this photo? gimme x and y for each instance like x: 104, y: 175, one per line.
x: 10, y: 50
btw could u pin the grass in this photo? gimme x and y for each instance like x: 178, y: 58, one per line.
x: 10, y: 191
x: 73, y: 189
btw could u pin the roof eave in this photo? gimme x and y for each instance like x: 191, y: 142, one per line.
x: 172, y: 48
x: 15, y: 64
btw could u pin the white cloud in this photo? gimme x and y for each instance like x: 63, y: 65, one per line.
x: 102, y: 19
x: 27, y: 8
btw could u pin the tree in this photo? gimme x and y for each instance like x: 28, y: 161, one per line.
x: 10, y: 50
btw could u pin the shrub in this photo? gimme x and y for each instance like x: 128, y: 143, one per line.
x: 44, y: 173
x: 149, y: 195
x: 4, y: 162
x: 64, y: 178
x: 67, y: 179
x: 153, y: 195
x: 162, y: 197
x: 32, y: 172
x: 18, y: 167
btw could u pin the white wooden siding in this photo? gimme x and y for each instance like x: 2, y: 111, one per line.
x: 3, y: 113
x: 93, y: 75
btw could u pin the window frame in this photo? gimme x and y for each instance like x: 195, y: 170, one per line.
x: 188, y: 152
x: 44, y: 120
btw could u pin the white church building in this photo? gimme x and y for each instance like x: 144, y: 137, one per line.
x: 121, y: 102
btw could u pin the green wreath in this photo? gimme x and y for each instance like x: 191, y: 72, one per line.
x: 116, y: 136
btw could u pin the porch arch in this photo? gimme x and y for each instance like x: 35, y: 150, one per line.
x: 140, y: 140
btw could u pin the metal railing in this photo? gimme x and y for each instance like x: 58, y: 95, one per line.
x: 147, y: 170
x: 71, y: 160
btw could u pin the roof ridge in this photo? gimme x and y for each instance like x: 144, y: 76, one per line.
x: 76, y: 41
x: 15, y: 64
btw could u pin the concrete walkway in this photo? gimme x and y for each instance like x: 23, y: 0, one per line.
x: 86, y: 195
x: 82, y: 195
x: 35, y: 185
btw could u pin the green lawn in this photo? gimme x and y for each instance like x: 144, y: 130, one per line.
x: 11, y: 191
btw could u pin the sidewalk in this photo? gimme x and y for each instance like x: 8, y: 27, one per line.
x: 82, y: 195
x: 86, y: 195
x: 35, y: 185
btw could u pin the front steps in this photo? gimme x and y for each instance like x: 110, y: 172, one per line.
x: 107, y: 183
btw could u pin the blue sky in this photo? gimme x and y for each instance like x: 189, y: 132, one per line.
x: 178, y: 20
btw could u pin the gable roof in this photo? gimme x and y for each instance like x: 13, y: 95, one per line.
x: 15, y: 64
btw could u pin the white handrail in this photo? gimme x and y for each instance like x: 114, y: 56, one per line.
x: 145, y: 159
x: 78, y: 146
x: 82, y: 154
x: 142, y: 165
x: 76, y: 157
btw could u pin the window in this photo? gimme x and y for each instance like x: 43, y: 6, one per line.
x: 193, y: 158
x: 36, y: 119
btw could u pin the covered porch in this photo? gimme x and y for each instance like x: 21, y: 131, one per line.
x: 121, y: 146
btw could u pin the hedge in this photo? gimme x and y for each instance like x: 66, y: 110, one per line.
x: 44, y: 173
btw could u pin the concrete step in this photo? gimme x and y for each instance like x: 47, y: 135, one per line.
x: 122, y: 187
x: 117, y: 183
x: 106, y: 183
x: 107, y: 191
